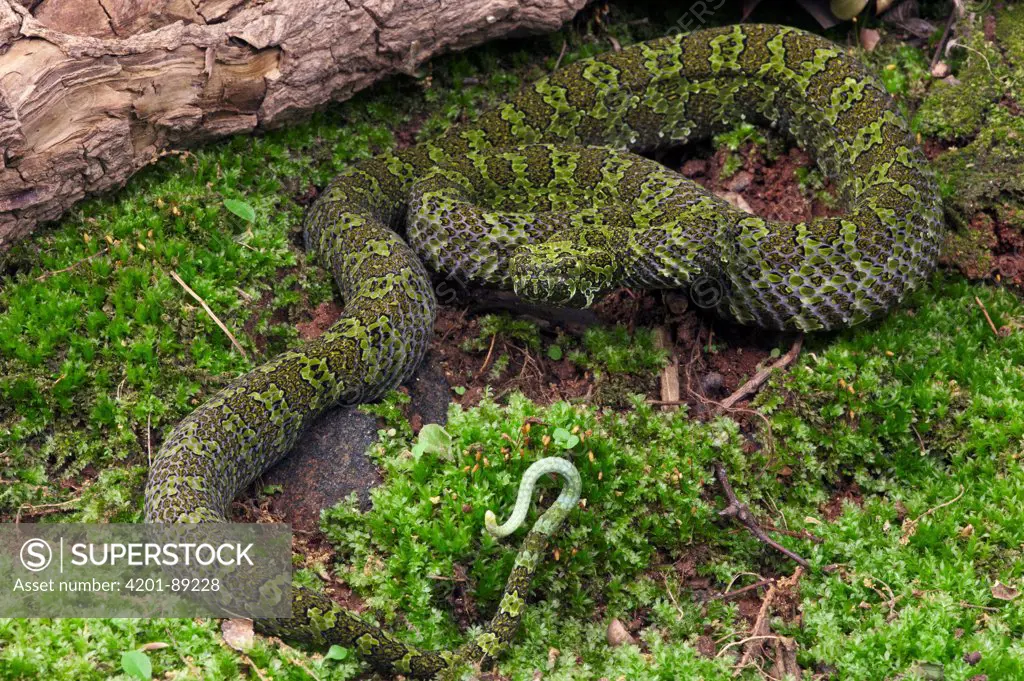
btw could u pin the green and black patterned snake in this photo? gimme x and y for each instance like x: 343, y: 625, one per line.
x: 544, y: 195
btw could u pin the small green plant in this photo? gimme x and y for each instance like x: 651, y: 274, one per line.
x: 903, y: 70
x: 732, y: 165
x: 505, y: 327
x: 616, y: 351
x: 737, y: 137
x: 733, y: 140
x: 241, y: 209
x: 564, y: 439
x: 433, y: 439
x: 391, y: 411
x: 499, y: 367
x: 136, y: 664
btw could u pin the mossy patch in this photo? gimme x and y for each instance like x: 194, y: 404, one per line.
x: 978, y: 117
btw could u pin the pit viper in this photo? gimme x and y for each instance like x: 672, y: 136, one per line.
x: 543, y: 194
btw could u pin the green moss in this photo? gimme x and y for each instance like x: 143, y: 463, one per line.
x: 623, y: 364
x: 102, y: 351
x: 506, y: 327
x: 984, y: 174
x: 902, y: 69
x: 980, y: 175
x: 954, y: 111
x: 617, y: 351
x: 970, y: 247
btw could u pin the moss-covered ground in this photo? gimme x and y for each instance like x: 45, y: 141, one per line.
x: 888, y: 455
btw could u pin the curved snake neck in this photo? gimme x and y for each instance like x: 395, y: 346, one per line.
x: 521, y: 199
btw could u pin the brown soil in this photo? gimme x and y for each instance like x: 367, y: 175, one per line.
x: 317, y: 552
x: 833, y: 508
x: 322, y: 317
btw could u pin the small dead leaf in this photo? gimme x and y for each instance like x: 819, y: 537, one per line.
x: 618, y: 636
x: 929, y: 671
x: 154, y: 645
x: 869, y: 38
x: 553, y: 654
x: 1003, y: 592
x: 736, y: 200
x: 909, y: 528
x: 237, y: 633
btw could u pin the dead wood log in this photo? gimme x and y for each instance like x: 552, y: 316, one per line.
x: 93, y: 90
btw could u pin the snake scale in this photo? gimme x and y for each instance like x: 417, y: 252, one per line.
x: 544, y: 195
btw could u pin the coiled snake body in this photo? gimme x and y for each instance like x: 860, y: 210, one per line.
x: 539, y: 195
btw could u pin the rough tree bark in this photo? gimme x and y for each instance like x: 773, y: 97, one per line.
x: 93, y: 90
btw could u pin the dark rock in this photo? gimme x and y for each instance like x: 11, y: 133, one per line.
x: 713, y: 384
x: 330, y: 462
x: 741, y: 181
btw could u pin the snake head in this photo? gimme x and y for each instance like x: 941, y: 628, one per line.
x: 563, y: 273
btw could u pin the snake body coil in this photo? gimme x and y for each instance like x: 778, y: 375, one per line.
x: 521, y: 199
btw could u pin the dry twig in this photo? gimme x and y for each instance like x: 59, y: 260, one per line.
x: 741, y: 512
x: 46, y: 275
x: 215, y: 318
x: 670, y: 374
x: 984, y: 310
x: 44, y: 509
x: 561, y: 55
x: 761, y: 631
x: 487, y: 359
x: 910, y: 526
x: 942, y: 41
x: 729, y: 595
x: 755, y: 383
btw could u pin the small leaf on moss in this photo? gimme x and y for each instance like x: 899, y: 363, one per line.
x: 433, y: 439
x: 136, y: 664
x: 241, y: 209
x: 336, y: 652
x: 1003, y: 592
